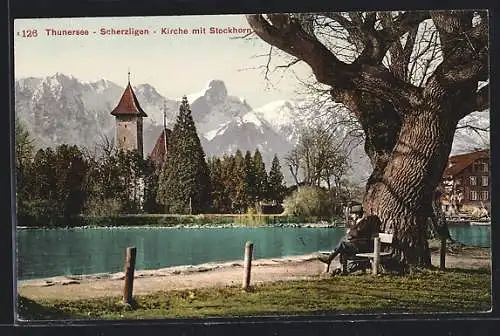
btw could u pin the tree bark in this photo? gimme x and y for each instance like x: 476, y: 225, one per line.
x: 401, y: 196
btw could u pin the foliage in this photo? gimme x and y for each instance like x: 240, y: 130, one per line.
x: 68, y: 181
x: 251, y: 190
x: 241, y: 184
x: 24, y: 151
x: 184, y: 182
x: 219, y: 193
x: 24, y: 145
x: 318, y: 158
x: 151, y: 179
x: 237, y: 180
x: 56, y: 180
x: 276, y: 184
x: 261, y: 183
x: 308, y: 201
x: 115, y: 183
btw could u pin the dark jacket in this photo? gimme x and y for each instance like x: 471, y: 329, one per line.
x: 363, y: 232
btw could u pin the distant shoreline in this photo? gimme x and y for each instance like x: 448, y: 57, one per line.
x: 179, y: 221
x: 195, y: 226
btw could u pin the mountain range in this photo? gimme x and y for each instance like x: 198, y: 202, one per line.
x: 63, y: 109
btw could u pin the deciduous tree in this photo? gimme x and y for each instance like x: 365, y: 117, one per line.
x: 408, y: 102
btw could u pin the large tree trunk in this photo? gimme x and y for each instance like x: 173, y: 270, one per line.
x: 408, y: 152
x: 401, y: 188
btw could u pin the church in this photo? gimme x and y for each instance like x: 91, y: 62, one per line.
x: 129, y: 127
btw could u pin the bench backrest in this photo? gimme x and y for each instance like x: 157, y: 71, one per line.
x: 385, y: 238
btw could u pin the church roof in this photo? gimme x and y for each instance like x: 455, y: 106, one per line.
x: 158, y: 153
x: 128, y: 104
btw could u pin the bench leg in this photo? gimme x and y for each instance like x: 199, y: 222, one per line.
x: 343, y: 263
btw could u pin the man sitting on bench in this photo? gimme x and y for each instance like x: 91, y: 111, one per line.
x: 359, y: 239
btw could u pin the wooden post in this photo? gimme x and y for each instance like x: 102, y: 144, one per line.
x: 376, y: 255
x: 129, y: 274
x: 247, y: 264
x: 442, y: 254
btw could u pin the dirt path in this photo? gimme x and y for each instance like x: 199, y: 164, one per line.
x: 206, y: 275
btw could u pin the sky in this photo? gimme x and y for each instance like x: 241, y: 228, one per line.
x: 175, y: 64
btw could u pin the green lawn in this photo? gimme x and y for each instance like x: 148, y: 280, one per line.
x: 453, y: 290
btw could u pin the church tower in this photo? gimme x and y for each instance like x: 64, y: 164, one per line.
x: 129, y: 125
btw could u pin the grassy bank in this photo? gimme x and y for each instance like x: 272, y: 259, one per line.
x: 165, y: 220
x: 453, y: 290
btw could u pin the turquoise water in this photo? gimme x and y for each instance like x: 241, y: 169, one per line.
x: 472, y: 235
x: 51, y: 252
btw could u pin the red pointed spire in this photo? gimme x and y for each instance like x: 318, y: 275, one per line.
x: 128, y: 104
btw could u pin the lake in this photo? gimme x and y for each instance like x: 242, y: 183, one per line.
x: 51, y: 252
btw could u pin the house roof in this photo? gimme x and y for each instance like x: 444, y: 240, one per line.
x: 128, y: 104
x: 458, y: 163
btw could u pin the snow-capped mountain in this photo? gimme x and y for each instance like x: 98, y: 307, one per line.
x: 283, y: 117
x: 247, y: 132
x: 226, y: 123
x: 62, y: 109
x: 472, y: 138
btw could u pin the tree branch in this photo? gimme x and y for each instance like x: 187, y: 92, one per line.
x: 378, y: 42
x: 465, y: 49
x: 286, y: 33
x: 482, y: 101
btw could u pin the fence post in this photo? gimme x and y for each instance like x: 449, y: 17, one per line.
x: 247, y: 264
x: 376, y: 255
x: 129, y: 274
x: 442, y: 254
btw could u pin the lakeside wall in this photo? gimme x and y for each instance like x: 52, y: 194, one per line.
x: 169, y: 220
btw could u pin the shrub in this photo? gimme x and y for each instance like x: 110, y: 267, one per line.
x: 309, y: 202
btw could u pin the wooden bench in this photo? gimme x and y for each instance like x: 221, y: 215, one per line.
x: 374, y: 257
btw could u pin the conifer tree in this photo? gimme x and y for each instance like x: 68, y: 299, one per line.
x: 184, y: 184
x: 240, y: 198
x: 260, y: 176
x: 276, y: 181
x: 228, y: 185
x: 219, y: 197
x: 250, y: 185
